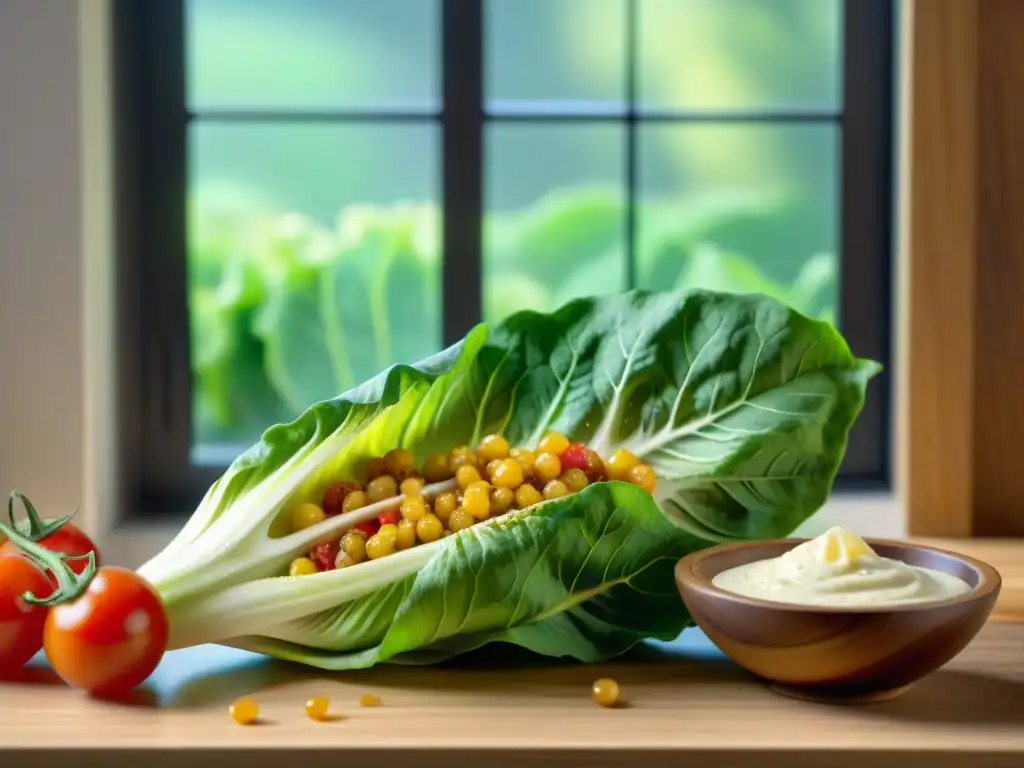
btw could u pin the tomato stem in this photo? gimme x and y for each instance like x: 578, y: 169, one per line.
x: 69, y: 584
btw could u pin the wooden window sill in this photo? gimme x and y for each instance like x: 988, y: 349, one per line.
x: 687, y: 706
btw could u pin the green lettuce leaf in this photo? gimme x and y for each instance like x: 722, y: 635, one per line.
x: 740, y: 404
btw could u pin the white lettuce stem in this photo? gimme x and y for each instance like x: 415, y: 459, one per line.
x: 257, y: 556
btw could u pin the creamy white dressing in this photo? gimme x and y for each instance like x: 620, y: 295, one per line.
x: 839, y: 569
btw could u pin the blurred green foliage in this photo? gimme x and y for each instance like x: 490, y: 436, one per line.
x: 290, y: 312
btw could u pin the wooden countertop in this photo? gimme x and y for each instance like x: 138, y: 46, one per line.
x: 688, y: 706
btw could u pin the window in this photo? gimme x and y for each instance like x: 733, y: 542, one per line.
x: 316, y: 189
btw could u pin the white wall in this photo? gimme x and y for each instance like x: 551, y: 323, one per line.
x: 41, y: 236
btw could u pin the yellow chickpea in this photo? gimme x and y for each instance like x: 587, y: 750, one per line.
x: 492, y: 467
x: 547, y: 467
x: 575, y: 480
x: 413, y: 508
x: 302, y: 566
x: 353, y: 500
x: 620, y: 463
x: 460, y: 520
x: 501, y: 500
x: 605, y: 692
x: 461, y: 457
x: 316, y: 708
x: 305, y: 515
x: 527, y: 496
x: 493, y: 447
x: 525, y: 458
x: 444, y: 505
x: 466, y: 475
x: 342, y: 560
x: 554, y: 443
x: 399, y: 462
x: 388, y: 531
x: 477, y: 500
x: 375, y: 468
x: 429, y: 528
x: 436, y: 468
x: 643, y: 476
x: 508, y: 474
x: 406, y: 536
x: 354, y: 545
x: 555, y: 489
x: 380, y: 488
x: 411, y: 486
x: 244, y: 711
x: 377, y: 547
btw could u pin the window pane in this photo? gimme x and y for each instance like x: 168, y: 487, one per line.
x: 555, y: 50
x: 307, y: 271
x: 747, y: 208
x: 740, y: 54
x: 313, y: 54
x: 554, y: 228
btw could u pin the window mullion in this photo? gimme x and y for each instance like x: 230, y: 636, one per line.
x: 462, y: 127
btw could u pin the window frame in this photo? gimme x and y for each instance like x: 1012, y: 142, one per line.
x: 151, y: 127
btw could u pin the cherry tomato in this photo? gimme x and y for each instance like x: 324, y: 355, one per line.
x: 324, y: 555
x: 112, y: 637
x: 68, y: 540
x: 21, y: 623
x: 575, y: 457
x: 370, y: 527
x: 391, y: 516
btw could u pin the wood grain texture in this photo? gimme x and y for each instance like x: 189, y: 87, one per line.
x: 937, y: 275
x: 1007, y: 557
x: 999, y: 329
x: 837, y: 654
x: 683, y: 710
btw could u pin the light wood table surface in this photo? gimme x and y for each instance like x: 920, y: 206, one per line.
x: 687, y: 706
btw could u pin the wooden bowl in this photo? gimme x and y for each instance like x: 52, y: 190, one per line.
x: 848, y: 655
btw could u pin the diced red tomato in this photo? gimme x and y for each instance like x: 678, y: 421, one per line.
x: 575, y: 457
x: 323, y: 555
x: 391, y: 517
x: 370, y: 527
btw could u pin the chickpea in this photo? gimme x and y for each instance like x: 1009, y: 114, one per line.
x: 354, y: 545
x: 477, y: 500
x: 406, y: 537
x: 460, y: 520
x: 377, y: 547
x: 380, y: 488
x: 306, y: 515
x: 354, y: 500
x: 399, y: 462
x: 643, y: 476
x: 302, y: 566
x: 388, y: 531
x: 375, y: 468
x: 342, y: 560
x: 461, y: 457
x: 436, y: 468
x: 316, y: 708
x: 501, y: 500
x: 444, y: 505
x: 492, y: 467
x: 466, y: 475
x: 429, y: 528
x: 413, y: 508
x: 555, y: 489
x: 493, y: 447
x: 605, y: 692
x: 575, y: 480
x: 334, y: 496
x: 547, y: 467
x: 527, y: 496
x: 619, y: 464
x: 411, y: 486
x: 525, y: 458
x: 554, y: 443
x: 244, y: 711
x: 508, y: 474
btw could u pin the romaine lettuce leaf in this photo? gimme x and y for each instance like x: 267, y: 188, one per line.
x: 740, y: 404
